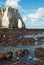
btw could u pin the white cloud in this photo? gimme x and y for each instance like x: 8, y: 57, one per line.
x: 38, y: 15
x: 13, y: 3
x: 36, y: 19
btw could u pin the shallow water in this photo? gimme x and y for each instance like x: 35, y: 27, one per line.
x: 29, y: 59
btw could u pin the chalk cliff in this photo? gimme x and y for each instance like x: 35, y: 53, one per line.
x: 9, y: 18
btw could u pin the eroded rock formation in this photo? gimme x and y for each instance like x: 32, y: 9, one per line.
x: 10, y: 16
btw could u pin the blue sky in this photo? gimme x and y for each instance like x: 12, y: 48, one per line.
x: 32, y: 11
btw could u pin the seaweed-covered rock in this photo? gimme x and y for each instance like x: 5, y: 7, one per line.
x: 22, y: 53
x: 39, y: 52
x: 6, y: 56
x: 25, y: 51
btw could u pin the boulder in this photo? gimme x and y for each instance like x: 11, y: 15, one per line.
x: 22, y: 53
x: 25, y: 51
x: 6, y: 56
x: 19, y: 53
x: 39, y: 52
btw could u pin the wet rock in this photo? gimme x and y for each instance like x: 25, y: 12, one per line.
x: 25, y: 51
x: 15, y: 62
x: 6, y: 56
x: 39, y: 52
x: 12, y: 38
x: 22, y: 53
x: 19, y: 53
x: 41, y: 62
x: 27, y: 41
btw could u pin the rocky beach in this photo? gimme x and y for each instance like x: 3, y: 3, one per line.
x: 19, y: 45
x: 23, y: 37
x: 25, y: 44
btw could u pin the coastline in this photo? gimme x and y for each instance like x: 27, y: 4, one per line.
x: 15, y: 37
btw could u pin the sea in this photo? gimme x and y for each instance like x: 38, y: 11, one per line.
x: 29, y: 59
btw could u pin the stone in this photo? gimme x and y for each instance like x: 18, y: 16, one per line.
x: 22, y: 53
x: 25, y: 51
x: 39, y: 52
x: 19, y: 53
x: 6, y: 56
x: 15, y: 62
x: 40, y: 62
x: 12, y: 37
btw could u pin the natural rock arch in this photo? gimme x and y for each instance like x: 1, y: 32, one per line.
x: 13, y: 17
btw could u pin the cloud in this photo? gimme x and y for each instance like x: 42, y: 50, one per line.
x: 35, y: 19
x: 13, y: 3
x: 38, y: 15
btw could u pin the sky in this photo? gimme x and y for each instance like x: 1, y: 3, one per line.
x: 32, y: 11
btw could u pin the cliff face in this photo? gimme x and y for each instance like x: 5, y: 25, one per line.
x: 2, y: 10
x: 10, y: 15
